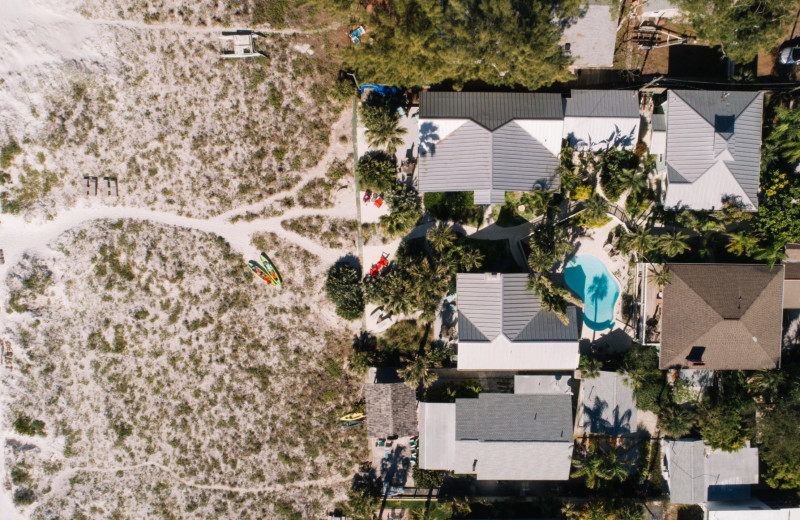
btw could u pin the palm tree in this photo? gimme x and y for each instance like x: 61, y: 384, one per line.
x: 630, y: 180
x: 441, y: 237
x: 771, y: 253
x: 418, y: 371
x: 741, y: 244
x: 596, y: 509
x: 465, y: 258
x: 590, y: 367
x: 591, y: 467
x: 662, y: 277
x: 673, y: 244
x: 385, y: 131
x: 767, y: 383
x: 596, y: 208
x: 614, y: 467
x: 675, y: 421
x: 541, y: 202
x: 640, y: 240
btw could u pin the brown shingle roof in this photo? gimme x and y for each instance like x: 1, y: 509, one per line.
x: 391, y: 410
x: 733, y: 313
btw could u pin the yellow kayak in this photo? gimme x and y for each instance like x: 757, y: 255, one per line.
x: 356, y: 416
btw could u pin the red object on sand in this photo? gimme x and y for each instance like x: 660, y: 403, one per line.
x: 379, y: 203
x: 382, y: 262
x: 374, y: 271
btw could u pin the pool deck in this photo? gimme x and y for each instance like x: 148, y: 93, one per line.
x: 593, y: 243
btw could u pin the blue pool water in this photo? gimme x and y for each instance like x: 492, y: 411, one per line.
x: 589, y: 278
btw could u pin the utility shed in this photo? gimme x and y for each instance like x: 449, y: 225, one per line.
x: 598, y: 120
x: 608, y: 406
x: 696, y: 474
x: 503, y: 326
x: 391, y: 410
x: 591, y: 37
x: 713, y: 149
x: 722, y: 317
x: 489, y: 143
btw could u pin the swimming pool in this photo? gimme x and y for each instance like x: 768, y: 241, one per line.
x: 591, y: 281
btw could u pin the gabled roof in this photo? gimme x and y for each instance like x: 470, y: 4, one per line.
x: 491, y: 304
x: 609, y: 407
x: 391, y: 410
x: 491, y: 110
x: 717, y: 135
x: 603, y: 103
x: 728, y: 316
x: 693, y: 468
x: 489, y: 143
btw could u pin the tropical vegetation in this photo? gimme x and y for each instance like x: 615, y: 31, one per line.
x: 343, y: 288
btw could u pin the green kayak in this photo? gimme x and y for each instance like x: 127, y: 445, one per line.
x: 273, y: 273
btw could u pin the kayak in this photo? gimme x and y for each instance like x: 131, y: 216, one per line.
x: 356, y: 416
x: 349, y: 424
x: 259, y: 271
x: 270, y: 268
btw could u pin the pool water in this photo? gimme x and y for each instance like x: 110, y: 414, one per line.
x: 589, y: 278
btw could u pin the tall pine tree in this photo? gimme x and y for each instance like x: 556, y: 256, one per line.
x: 499, y: 42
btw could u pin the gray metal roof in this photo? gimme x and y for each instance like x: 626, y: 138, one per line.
x: 495, y: 303
x: 490, y: 109
x: 514, y: 417
x: 608, y: 405
x: 462, y: 161
x: 708, y: 127
x: 488, y: 163
x: 602, y: 103
x: 692, y: 467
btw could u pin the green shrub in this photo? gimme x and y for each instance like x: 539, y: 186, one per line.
x: 582, y: 192
x: 19, y: 476
x: 452, y: 390
x: 377, y: 172
x: 24, y: 425
x: 24, y: 496
x: 426, y: 479
x: 343, y: 288
x: 458, y: 206
x: 611, y: 164
x: 8, y: 152
x: 141, y: 314
x: 405, y: 211
x: 271, y: 12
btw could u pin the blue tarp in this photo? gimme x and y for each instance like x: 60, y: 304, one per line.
x: 381, y: 90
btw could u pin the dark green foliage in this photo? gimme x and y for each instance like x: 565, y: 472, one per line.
x: 450, y: 391
x: 727, y: 420
x: 380, y: 117
x: 343, y: 288
x: 8, y: 152
x: 405, y: 210
x: 24, y: 425
x: 19, y: 476
x: 613, y: 179
x: 549, y: 244
x: 361, y: 503
x: 377, y: 172
x: 425, y: 42
x: 640, y: 366
x: 24, y: 496
x: 141, y: 314
x: 675, y: 421
x: 457, y: 206
x: 778, y: 218
x: 97, y: 341
x: 594, y: 215
x: 742, y: 28
x: 427, y: 479
x: 779, y: 437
